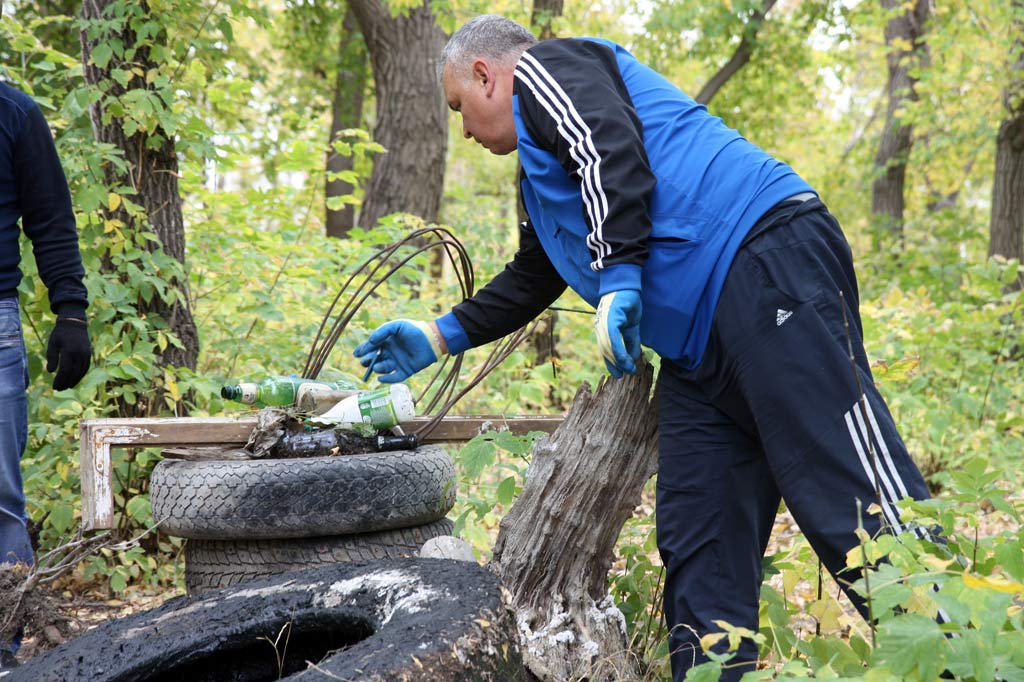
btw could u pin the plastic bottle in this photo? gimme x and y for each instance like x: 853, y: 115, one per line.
x: 279, y: 391
x: 381, y: 408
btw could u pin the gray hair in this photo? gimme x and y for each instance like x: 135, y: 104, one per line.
x: 488, y: 35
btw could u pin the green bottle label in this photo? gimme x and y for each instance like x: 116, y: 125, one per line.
x: 377, y: 408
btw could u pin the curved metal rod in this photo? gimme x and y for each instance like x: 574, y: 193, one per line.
x: 370, y: 275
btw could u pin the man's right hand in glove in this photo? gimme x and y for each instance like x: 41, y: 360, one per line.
x: 398, y: 349
x: 68, y: 352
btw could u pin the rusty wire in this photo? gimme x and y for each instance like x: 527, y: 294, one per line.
x: 368, y: 278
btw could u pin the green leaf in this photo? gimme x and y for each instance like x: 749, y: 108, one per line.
x: 121, y: 76
x: 836, y: 654
x: 705, y: 672
x: 101, y: 55
x: 224, y: 24
x: 861, y: 647
x: 889, y: 597
x: 1001, y: 503
x: 518, y: 445
x: 1010, y: 556
x: 911, y: 643
x: 477, y: 455
x: 138, y: 508
x: 61, y: 517
x: 507, y: 490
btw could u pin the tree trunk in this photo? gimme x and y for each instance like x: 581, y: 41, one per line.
x: 1006, y: 227
x: 582, y: 485
x: 903, y: 33
x: 739, y: 58
x: 346, y: 112
x: 543, y: 15
x: 412, y: 116
x: 151, y: 168
x: 544, y: 339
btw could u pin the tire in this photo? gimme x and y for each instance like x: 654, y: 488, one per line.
x: 398, y: 619
x: 311, y: 497
x: 213, y: 564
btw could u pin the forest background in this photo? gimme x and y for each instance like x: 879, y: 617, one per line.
x: 232, y: 161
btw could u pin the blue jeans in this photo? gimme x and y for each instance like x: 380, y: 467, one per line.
x: 14, y: 542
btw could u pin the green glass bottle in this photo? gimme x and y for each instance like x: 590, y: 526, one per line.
x: 279, y: 391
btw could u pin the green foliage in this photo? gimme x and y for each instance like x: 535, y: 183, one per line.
x: 492, y: 469
x: 637, y: 588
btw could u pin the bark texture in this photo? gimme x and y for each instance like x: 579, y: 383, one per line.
x: 739, y: 58
x: 1006, y: 227
x: 412, y: 118
x: 151, y: 168
x: 346, y: 112
x: 555, y: 546
x: 903, y: 35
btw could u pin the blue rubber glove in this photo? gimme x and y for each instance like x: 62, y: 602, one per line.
x: 398, y: 349
x: 617, y: 326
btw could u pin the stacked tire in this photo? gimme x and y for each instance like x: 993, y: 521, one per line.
x: 247, y: 519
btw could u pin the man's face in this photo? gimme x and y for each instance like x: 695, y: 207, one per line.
x: 483, y: 97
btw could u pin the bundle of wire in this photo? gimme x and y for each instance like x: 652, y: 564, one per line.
x: 362, y: 284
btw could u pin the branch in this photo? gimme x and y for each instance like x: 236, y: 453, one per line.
x: 739, y: 58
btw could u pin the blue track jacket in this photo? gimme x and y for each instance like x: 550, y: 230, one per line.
x: 629, y: 184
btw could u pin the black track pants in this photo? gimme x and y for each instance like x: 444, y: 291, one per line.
x: 772, y: 410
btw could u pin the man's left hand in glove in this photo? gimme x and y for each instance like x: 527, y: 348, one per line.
x: 617, y: 326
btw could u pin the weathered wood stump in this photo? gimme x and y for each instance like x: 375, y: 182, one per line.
x: 555, y: 546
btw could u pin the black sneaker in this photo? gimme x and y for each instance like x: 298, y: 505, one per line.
x: 7, y: 663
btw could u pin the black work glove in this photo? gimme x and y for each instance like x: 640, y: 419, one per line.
x: 68, y: 352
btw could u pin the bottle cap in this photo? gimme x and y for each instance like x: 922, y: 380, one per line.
x: 408, y: 441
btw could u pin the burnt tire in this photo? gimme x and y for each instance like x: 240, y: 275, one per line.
x: 309, y: 497
x: 398, y: 619
x: 213, y: 564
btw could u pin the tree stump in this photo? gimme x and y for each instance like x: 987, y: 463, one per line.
x: 555, y: 546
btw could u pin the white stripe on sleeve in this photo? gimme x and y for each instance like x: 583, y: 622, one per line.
x: 575, y: 130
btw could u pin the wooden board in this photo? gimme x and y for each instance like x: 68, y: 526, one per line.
x: 98, y: 436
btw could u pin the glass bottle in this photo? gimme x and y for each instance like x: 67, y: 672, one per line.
x: 279, y: 391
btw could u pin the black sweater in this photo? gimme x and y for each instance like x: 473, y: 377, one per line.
x: 34, y: 189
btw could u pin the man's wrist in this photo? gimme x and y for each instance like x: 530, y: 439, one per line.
x: 454, y: 336
x: 438, y: 337
x: 619, y: 278
x: 433, y: 338
x: 70, y: 309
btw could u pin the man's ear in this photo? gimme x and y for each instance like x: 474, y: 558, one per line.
x: 483, y: 74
